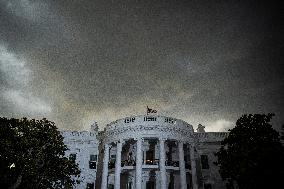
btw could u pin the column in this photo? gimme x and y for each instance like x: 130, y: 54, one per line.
x: 118, y: 165
x: 182, y: 166
x: 144, y: 155
x: 138, y: 163
x: 162, y: 164
x: 193, y: 168
x: 105, y: 167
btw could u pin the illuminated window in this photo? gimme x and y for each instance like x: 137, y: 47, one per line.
x: 150, y: 157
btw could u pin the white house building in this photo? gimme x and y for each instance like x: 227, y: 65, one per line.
x: 146, y: 152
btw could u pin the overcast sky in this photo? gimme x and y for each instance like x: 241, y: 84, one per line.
x: 80, y: 61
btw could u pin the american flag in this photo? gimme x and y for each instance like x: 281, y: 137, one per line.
x: 149, y: 110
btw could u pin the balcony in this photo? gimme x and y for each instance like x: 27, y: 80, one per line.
x: 172, y: 163
x: 128, y: 163
x: 149, y: 164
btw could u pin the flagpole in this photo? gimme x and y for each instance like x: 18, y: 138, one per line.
x: 147, y: 110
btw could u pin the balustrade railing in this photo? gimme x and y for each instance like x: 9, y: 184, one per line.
x: 128, y: 163
x: 111, y: 165
x: 172, y: 163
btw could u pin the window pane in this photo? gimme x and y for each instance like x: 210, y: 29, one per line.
x: 150, y: 185
x: 92, y: 164
x: 93, y: 157
x: 204, y: 162
x: 129, y: 185
x: 207, y: 186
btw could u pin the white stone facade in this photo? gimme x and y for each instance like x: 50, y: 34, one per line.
x: 146, y: 152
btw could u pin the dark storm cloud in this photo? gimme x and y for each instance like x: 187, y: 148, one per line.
x: 101, y: 60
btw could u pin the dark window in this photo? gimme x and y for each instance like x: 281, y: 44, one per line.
x: 185, y: 158
x: 207, y: 186
x: 93, y: 157
x: 72, y: 157
x: 229, y: 185
x: 187, y: 162
x: 150, y: 185
x: 172, y: 181
x: 129, y: 185
x: 90, y: 186
x: 111, y: 164
x: 204, y: 162
x: 110, y: 186
x: 92, y: 164
x: 93, y: 161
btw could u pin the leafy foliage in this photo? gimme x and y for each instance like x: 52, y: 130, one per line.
x: 252, y: 155
x: 32, y: 155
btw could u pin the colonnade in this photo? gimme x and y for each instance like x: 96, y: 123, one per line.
x: 138, y: 168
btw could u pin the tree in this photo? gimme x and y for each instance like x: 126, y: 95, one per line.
x: 252, y: 155
x: 32, y: 156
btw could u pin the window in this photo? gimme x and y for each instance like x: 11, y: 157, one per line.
x: 110, y: 186
x: 129, y: 185
x: 207, y: 186
x: 72, y: 157
x: 150, y: 185
x: 93, y: 161
x: 204, y: 162
x: 150, y: 157
x: 187, y: 161
x: 93, y: 157
x: 230, y: 185
x: 90, y: 185
x: 92, y: 164
x: 172, y: 181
